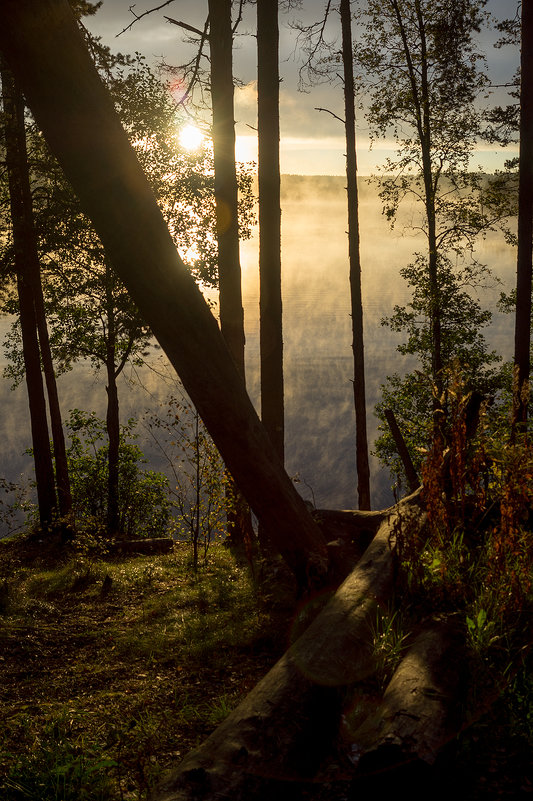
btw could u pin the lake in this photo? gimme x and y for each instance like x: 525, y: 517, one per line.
x: 320, y: 428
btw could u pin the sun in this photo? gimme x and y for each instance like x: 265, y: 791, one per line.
x: 191, y: 137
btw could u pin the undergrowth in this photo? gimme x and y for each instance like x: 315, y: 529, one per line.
x: 474, y: 559
x: 112, y: 670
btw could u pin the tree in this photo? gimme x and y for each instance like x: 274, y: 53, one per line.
x: 91, y: 314
x: 361, y: 451
x: 229, y: 270
x: 424, y: 75
x: 525, y: 225
x: 27, y: 271
x: 321, y: 59
x: 231, y: 312
x: 49, y: 58
x: 429, y: 49
x: 268, y: 173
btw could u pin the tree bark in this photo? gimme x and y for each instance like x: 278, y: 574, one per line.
x: 363, y: 469
x: 27, y: 266
x: 525, y: 225
x: 419, y: 715
x: 403, y: 452
x: 46, y: 52
x: 269, y: 183
x: 282, y: 730
x: 112, y: 412
x: 56, y: 424
x: 231, y: 311
x: 226, y: 192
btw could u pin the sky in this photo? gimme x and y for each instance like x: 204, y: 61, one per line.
x: 311, y: 141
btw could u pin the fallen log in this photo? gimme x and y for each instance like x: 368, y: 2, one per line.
x: 148, y: 546
x: 348, y: 533
x: 399, y: 744
x: 283, y: 729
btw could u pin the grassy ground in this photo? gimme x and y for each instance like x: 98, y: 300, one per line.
x: 112, y: 670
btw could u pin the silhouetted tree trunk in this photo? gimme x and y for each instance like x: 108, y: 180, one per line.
x: 268, y: 171
x: 27, y: 267
x: 363, y: 469
x: 45, y: 50
x: 56, y: 424
x: 112, y: 414
x: 226, y: 202
x: 525, y: 224
x: 226, y: 193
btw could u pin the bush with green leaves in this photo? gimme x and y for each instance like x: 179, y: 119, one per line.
x: 144, y: 509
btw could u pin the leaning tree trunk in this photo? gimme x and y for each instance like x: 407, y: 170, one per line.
x: 283, y: 729
x: 268, y: 176
x: 363, y: 469
x: 25, y: 264
x: 45, y: 50
x: 525, y: 225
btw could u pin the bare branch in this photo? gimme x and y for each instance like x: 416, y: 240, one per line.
x: 313, y: 38
x: 187, y: 27
x: 340, y: 119
x: 140, y: 16
x: 239, y: 16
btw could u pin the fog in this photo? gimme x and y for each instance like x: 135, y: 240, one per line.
x: 320, y: 428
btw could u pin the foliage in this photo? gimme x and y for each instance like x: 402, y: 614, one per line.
x: 421, y: 73
x: 15, y: 507
x: 201, y: 492
x: 144, y: 509
x: 476, y: 558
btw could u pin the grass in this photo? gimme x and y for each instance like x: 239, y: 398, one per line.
x: 111, y: 671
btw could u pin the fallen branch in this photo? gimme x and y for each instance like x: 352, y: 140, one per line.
x: 142, y: 546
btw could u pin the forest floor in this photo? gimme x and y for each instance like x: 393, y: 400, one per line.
x: 111, y: 670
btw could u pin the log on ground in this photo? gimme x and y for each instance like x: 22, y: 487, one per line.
x: 403, y: 744
x: 283, y: 729
x: 148, y: 546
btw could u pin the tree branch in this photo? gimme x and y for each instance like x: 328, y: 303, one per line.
x: 140, y: 16
x: 203, y: 34
x: 317, y: 108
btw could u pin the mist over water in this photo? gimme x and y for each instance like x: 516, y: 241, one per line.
x: 318, y: 362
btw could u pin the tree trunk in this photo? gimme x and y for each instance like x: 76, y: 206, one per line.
x: 48, y: 56
x: 363, y: 469
x: 226, y: 201
x: 226, y: 193
x: 26, y: 265
x: 282, y: 730
x: 418, y: 717
x: 112, y: 413
x: 113, y: 433
x: 58, y: 436
x: 268, y: 173
x: 525, y: 225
